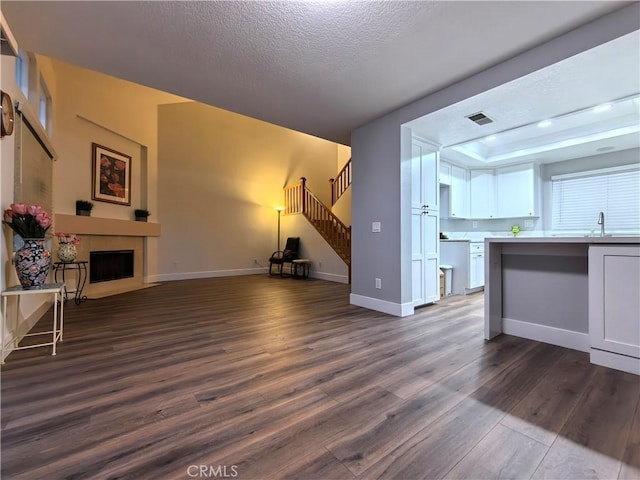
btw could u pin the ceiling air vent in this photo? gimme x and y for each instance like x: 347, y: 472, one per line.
x: 479, y: 118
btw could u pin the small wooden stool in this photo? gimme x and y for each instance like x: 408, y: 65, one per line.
x: 301, y: 268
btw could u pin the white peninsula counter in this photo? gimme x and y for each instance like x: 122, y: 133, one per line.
x: 577, y: 292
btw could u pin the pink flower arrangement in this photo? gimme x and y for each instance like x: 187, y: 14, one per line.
x: 28, y: 221
x: 71, y: 238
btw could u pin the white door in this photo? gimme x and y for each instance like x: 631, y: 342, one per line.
x: 425, y: 224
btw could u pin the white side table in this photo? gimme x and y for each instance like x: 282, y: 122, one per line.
x: 57, y: 290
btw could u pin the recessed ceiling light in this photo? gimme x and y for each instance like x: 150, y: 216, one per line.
x: 544, y: 123
x: 490, y: 138
x: 603, y: 108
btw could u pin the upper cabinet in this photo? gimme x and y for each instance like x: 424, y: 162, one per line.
x: 517, y: 190
x: 459, y: 193
x: 425, y: 173
x: 454, y: 182
x: 445, y: 173
x: 507, y: 192
x: 482, y: 193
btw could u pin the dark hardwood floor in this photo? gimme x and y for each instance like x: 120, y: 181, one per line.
x: 267, y: 378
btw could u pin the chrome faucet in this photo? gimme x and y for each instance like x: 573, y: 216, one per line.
x: 601, y: 223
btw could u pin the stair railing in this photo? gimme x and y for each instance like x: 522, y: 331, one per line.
x: 340, y: 184
x: 299, y: 199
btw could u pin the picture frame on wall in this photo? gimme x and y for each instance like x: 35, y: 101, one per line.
x: 111, y: 174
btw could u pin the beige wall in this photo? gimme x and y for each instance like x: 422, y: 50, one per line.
x: 23, y: 316
x: 220, y: 177
x: 213, y: 180
x: 92, y: 107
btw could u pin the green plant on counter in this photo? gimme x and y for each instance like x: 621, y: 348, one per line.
x: 515, y: 229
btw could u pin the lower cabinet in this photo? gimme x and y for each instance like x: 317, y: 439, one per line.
x: 476, y: 270
x: 467, y: 260
x: 614, y: 306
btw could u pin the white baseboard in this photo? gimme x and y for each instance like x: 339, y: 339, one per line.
x: 167, y: 277
x: 543, y: 333
x: 331, y: 277
x: 24, y: 327
x: 615, y: 361
x: 397, y: 309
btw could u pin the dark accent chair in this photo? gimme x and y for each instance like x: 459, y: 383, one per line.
x: 288, y: 255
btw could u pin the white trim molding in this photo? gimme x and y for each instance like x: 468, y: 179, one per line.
x: 615, y: 361
x: 397, y: 309
x: 543, y: 333
x: 167, y: 277
x: 331, y: 277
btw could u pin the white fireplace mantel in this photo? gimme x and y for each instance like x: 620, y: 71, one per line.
x: 104, y: 226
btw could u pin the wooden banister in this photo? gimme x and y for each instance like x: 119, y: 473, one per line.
x: 299, y: 199
x: 340, y: 184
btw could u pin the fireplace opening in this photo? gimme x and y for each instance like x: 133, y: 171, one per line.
x: 108, y: 265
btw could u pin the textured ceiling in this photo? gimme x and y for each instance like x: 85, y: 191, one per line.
x: 603, y: 74
x: 323, y: 68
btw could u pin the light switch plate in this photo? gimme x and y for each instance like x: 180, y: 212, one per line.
x: 375, y: 227
x: 528, y: 223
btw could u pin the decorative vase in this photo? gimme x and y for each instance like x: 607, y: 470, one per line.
x: 83, y: 213
x: 67, y: 252
x: 141, y: 219
x: 32, y: 263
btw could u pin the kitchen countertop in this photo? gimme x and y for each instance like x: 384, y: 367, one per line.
x: 589, y: 240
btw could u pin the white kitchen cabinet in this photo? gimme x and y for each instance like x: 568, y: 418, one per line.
x: 476, y: 265
x: 425, y: 257
x: 482, y: 194
x: 467, y: 260
x: 425, y: 186
x: 445, y: 173
x: 517, y: 190
x: 614, y: 306
x: 459, y: 193
x: 425, y: 224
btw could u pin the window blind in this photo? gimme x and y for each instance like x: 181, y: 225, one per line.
x: 578, y: 199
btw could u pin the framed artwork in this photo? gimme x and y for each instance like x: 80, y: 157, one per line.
x: 111, y: 175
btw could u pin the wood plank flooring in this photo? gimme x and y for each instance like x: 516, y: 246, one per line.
x: 267, y: 378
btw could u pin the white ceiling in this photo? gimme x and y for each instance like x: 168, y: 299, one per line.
x: 565, y: 92
x: 323, y: 68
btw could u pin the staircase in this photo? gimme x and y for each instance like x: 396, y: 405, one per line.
x: 340, y: 184
x: 299, y: 199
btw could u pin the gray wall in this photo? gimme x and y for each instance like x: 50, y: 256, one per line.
x: 381, y: 179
